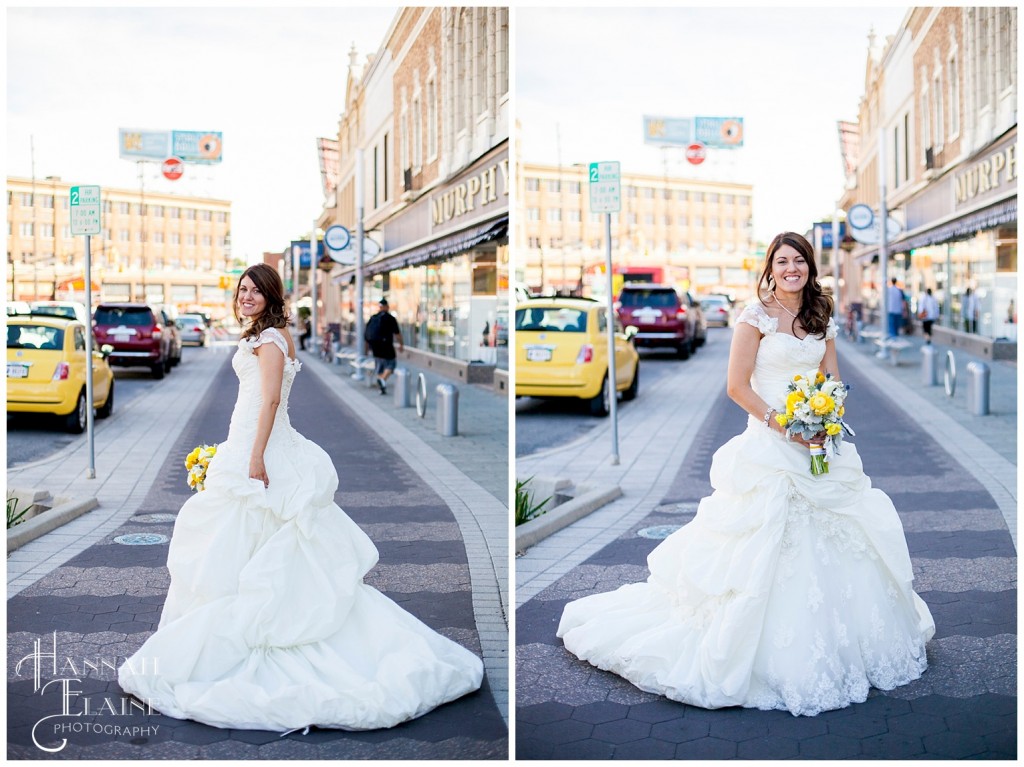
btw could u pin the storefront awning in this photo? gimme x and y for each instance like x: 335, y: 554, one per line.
x: 441, y: 248
x: 963, y: 228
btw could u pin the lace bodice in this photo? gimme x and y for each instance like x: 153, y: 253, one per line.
x: 780, y: 356
x: 250, y: 395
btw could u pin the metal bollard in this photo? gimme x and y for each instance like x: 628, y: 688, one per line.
x: 401, y: 379
x: 447, y: 410
x: 978, y: 376
x: 929, y: 365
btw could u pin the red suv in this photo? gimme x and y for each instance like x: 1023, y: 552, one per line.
x: 139, y: 334
x: 662, y: 317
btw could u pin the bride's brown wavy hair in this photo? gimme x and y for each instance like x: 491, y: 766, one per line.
x: 815, y: 306
x: 266, y: 278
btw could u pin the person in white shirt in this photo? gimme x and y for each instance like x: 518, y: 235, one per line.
x: 927, y: 312
x: 969, y: 312
x: 894, y: 308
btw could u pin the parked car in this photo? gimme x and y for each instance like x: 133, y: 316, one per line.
x: 662, y: 317
x: 170, y: 318
x: 138, y: 334
x: 193, y: 330
x: 562, y: 351
x: 46, y: 370
x: 18, y: 307
x: 73, y: 309
x: 716, y: 311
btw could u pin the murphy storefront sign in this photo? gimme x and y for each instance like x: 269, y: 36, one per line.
x: 987, y: 176
x: 478, y: 193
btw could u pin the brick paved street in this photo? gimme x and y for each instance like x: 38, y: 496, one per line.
x: 103, y: 602
x: 965, y: 567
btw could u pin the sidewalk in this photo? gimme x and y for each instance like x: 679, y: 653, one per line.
x: 955, y: 487
x: 441, y: 556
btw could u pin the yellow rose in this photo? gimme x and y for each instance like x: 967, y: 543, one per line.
x: 781, y: 419
x: 793, y: 399
x: 821, y: 404
x: 833, y: 429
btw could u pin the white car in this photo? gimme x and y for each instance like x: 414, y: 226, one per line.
x: 193, y: 330
x: 71, y: 309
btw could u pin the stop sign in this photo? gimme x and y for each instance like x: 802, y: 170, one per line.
x: 173, y: 168
x: 695, y: 153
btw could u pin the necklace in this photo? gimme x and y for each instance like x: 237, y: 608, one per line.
x: 783, y: 306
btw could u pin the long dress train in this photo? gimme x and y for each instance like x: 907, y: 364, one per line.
x: 268, y: 624
x: 786, y: 591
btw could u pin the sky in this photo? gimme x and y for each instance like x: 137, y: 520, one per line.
x: 271, y: 80
x: 790, y: 73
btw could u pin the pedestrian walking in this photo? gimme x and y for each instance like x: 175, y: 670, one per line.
x: 382, y: 332
x: 268, y: 624
x: 307, y: 332
x: 894, y: 308
x: 928, y: 313
x: 788, y: 590
x: 969, y: 311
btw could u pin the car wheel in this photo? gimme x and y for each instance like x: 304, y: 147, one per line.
x: 76, y: 419
x: 634, y: 385
x: 600, y: 404
x: 108, y: 406
x: 683, y: 350
x: 158, y: 369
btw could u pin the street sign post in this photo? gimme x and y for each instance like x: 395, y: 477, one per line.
x: 606, y: 197
x: 336, y: 238
x: 85, y: 220
x: 85, y: 210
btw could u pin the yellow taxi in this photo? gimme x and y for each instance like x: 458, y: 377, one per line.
x: 46, y: 367
x: 562, y: 351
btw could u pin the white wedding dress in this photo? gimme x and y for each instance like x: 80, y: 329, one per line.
x: 268, y: 624
x: 786, y: 591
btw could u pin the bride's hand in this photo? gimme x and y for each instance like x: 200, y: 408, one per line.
x: 258, y: 471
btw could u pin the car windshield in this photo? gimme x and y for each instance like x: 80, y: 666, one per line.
x: 713, y: 303
x: 34, y: 337
x: 121, y: 315
x: 190, y: 321
x: 551, y: 319
x: 648, y: 298
x: 54, y: 311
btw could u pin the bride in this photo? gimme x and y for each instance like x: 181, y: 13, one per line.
x: 787, y: 590
x: 268, y: 624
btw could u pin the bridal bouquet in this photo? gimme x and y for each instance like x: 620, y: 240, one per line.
x: 197, y: 462
x: 814, y: 404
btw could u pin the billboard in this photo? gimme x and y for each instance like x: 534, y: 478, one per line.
x: 202, y: 147
x: 668, y: 131
x: 143, y: 144
x: 719, y: 132
x: 714, y: 132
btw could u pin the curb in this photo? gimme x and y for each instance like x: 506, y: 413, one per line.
x: 536, y: 530
x: 50, y: 520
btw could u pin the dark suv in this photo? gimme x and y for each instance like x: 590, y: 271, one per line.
x: 663, y: 317
x: 139, y: 335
